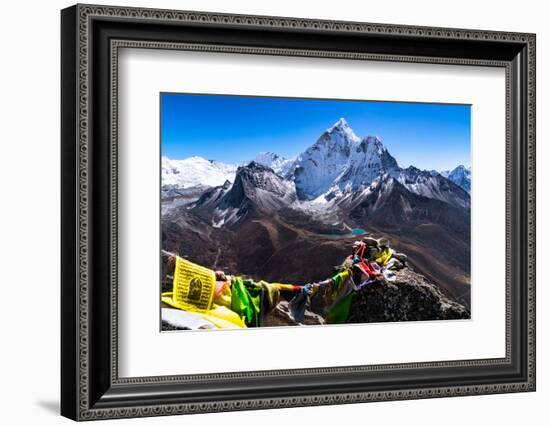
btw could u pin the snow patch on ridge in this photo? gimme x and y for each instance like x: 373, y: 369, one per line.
x: 277, y: 163
x: 195, y: 171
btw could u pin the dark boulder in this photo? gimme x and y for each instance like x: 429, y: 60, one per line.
x: 409, y: 298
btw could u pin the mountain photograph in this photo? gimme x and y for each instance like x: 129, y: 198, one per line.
x: 336, y: 225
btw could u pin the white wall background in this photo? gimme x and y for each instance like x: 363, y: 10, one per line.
x: 29, y: 213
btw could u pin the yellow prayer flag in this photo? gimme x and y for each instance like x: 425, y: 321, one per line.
x: 193, y: 286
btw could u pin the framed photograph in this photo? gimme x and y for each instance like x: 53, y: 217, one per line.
x: 263, y: 212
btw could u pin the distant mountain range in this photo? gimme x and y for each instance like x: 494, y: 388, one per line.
x: 287, y: 214
x: 339, y: 162
x: 195, y: 171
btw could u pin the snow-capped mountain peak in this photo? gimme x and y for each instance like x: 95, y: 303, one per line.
x: 434, y: 186
x: 461, y: 176
x: 255, y: 187
x: 316, y: 169
x: 343, y: 128
x: 340, y: 162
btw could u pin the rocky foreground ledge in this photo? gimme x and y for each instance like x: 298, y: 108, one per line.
x: 411, y: 297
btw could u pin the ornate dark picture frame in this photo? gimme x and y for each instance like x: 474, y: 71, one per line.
x: 90, y: 386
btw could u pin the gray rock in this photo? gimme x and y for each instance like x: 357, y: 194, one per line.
x: 409, y: 298
x: 176, y: 319
x: 280, y: 316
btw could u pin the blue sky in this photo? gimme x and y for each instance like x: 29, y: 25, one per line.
x: 234, y: 129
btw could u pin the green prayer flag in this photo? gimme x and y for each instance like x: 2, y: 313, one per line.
x: 245, y: 301
x: 339, y: 313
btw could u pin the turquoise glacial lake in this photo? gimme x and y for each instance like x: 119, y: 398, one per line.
x: 354, y: 233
